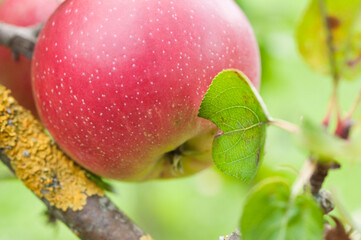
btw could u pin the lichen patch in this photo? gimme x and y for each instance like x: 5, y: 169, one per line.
x: 37, y: 160
x: 146, y: 237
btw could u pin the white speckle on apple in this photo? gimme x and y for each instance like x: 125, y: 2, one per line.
x: 170, y: 51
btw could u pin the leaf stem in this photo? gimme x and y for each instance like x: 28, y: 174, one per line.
x: 305, y: 175
x: 354, y: 107
x: 290, y: 127
x: 333, y: 105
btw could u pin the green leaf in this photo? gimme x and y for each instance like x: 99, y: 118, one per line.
x: 100, y: 182
x: 326, y: 147
x: 344, y: 19
x: 271, y: 214
x: 233, y: 104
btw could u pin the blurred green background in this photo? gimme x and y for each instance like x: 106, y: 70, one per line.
x: 209, y: 204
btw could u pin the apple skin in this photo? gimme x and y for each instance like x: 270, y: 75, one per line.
x: 16, y: 75
x: 118, y: 84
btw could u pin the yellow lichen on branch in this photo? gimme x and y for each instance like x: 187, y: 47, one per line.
x: 37, y: 160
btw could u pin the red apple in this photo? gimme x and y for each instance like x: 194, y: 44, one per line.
x: 16, y: 75
x: 118, y: 84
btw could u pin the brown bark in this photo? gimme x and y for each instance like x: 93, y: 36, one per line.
x: 21, y: 40
x: 99, y: 219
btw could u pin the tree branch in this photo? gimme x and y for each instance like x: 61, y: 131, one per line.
x: 21, y: 40
x: 62, y: 185
x: 236, y: 235
x: 99, y: 220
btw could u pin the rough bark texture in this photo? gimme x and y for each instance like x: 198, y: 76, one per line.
x: 99, y: 219
x: 21, y: 40
x: 318, y: 177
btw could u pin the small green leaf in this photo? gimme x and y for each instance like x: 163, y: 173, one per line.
x: 344, y: 21
x: 100, y: 182
x: 233, y: 104
x: 270, y: 214
x: 326, y: 147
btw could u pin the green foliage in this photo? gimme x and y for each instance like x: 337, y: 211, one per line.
x: 233, y: 104
x: 343, y: 18
x: 326, y: 147
x: 271, y: 213
x: 289, y: 90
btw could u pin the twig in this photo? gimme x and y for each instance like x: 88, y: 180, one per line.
x: 63, y: 186
x: 319, y: 176
x: 236, y: 235
x: 21, y: 40
x: 324, y: 198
